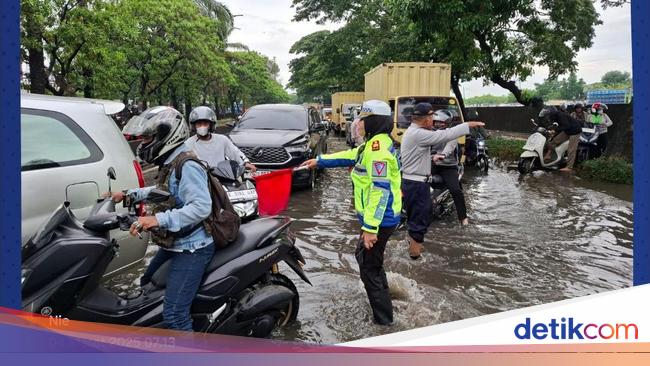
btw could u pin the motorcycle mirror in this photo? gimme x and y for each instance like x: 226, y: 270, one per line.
x: 111, y: 176
x: 111, y: 173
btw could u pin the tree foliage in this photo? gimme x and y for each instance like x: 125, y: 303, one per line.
x: 148, y: 51
x: 499, y: 41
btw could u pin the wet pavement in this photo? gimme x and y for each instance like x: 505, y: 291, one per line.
x: 532, y: 240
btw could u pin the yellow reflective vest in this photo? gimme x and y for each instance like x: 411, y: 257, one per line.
x: 376, y: 179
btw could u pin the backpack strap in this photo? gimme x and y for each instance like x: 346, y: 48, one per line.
x: 181, y: 159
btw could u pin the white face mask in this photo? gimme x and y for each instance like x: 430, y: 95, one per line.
x: 202, y: 131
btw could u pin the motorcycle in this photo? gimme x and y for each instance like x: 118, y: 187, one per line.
x: 533, y: 155
x: 588, y: 145
x: 440, y: 196
x: 242, y: 292
x: 477, y: 153
x: 239, y: 186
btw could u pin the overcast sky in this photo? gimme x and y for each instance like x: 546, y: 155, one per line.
x: 266, y: 26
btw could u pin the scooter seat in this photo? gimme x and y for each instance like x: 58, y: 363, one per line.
x: 249, y: 237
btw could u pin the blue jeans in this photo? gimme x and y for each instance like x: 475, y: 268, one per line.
x: 183, y: 280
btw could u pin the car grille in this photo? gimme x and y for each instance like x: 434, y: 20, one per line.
x: 270, y: 155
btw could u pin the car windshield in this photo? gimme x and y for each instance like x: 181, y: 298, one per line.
x: 405, y: 108
x: 273, y: 119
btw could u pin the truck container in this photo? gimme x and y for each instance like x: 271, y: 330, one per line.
x: 342, y: 105
x: 390, y: 80
x: 404, y: 84
x: 609, y: 96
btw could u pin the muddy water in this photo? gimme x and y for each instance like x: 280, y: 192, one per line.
x: 543, y: 238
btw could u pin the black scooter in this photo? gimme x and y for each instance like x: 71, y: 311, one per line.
x: 242, y: 291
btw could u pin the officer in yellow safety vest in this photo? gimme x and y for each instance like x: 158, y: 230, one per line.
x: 377, y: 200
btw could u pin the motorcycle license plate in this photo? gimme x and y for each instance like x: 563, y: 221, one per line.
x: 588, y: 130
x: 261, y: 172
x: 246, y: 195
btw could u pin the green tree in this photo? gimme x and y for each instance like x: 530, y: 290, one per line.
x: 55, y: 36
x: 498, y: 41
x: 337, y: 61
x: 616, y: 78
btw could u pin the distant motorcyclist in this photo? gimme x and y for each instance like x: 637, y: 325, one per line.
x: 566, y: 128
x: 579, y: 112
x: 416, y: 168
x: 601, y: 121
x: 445, y: 163
x: 211, y: 147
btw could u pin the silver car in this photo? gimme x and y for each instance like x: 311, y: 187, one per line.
x: 67, y: 147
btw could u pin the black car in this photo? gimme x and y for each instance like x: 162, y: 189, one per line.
x: 277, y: 136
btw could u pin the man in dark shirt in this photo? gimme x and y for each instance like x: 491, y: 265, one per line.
x: 567, y: 128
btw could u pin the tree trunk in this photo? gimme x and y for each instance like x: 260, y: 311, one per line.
x: 35, y: 57
x: 174, y: 98
x: 188, y: 107
x: 89, y: 91
x: 455, y: 86
x: 217, y: 110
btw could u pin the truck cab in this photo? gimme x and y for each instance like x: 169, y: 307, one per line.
x: 402, y: 108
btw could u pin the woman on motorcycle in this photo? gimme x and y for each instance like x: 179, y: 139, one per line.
x: 601, y: 121
x: 445, y: 164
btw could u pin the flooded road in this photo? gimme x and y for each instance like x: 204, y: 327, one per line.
x: 539, y: 239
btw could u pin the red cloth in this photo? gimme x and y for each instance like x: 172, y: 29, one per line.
x: 273, y: 191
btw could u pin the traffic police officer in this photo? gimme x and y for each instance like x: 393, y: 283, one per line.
x: 416, y: 167
x: 377, y: 200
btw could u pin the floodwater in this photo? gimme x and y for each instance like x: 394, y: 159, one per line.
x: 532, y: 240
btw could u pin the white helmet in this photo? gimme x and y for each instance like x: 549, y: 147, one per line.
x: 374, y: 107
x: 167, y: 129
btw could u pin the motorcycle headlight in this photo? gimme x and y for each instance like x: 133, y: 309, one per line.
x: 24, y: 275
x: 481, y: 143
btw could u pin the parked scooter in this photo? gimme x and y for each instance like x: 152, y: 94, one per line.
x: 239, y: 187
x: 533, y: 156
x: 588, y: 145
x: 242, y: 292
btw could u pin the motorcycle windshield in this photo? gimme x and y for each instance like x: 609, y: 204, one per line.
x: 228, y: 169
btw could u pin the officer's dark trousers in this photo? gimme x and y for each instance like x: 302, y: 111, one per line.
x: 373, y: 276
x: 449, y: 174
x: 417, y: 201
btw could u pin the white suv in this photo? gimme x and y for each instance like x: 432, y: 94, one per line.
x: 67, y: 147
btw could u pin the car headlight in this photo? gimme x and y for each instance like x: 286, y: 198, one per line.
x: 298, y: 148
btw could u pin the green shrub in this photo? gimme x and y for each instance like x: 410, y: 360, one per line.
x: 505, y: 148
x: 613, y: 169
